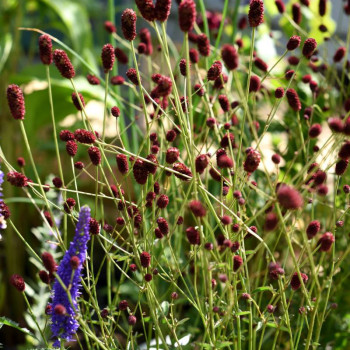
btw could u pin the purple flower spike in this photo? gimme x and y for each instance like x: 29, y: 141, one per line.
x: 65, y: 325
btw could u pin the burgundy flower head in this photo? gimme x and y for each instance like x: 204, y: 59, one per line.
x: 132, y: 76
x: 117, y: 80
x: 122, y: 163
x: 339, y: 54
x: 57, y: 182
x: 172, y: 155
x: 229, y: 56
x: 115, y: 111
x: 140, y: 172
x: 296, y: 12
x: 128, y: 22
x: 94, y: 226
x: 66, y: 135
x: 201, y: 163
x: 17, y: 179
x: 21, y: 162
x: 121, y: 56
x: 203, y: 45
x: 280, y: 6
x: 315, y: 130
x: 279, y: 92
x: 76, y: 102
x: 146, y: 9
x: 341, y: 167
x: 163, y: 226
x: 45, y: 49
x: 214, y: 71
x: 92, y: 79
x: 256, y: 12
x: 293, y: 43
x: 63, y: 64
x: 162, y: 201
x: 108, y: 57
x: 197, y: 208
x: 187, y: 15
x: 145, y: 37
x: 309, y: 47
x: 237, y: 262
x: 162, y: 10
x: 326, y: 241
x: 261, y: 64
x: 95, y: 155
x: 252, y: 161
x: 71, y: 148
x: 254, y: 84
x: 182, y: 169
x: 84, y: 136
x: 295, y: 282
x: 344, y: 152
x: 183, y: 67
x: 110, y: 27
x: 289, y: 197
x: 49, y: 262
x: 15, y: 101
x: 18, y: 282
x: 293, y: 99
x: 194, y: 56
x: 193, y: 236
x: 224, y: 103
x: 145, y: 259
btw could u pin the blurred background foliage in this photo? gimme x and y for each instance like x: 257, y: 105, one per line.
x: 79, y: 24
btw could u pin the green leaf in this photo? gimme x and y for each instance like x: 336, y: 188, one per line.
x: 7, y: 322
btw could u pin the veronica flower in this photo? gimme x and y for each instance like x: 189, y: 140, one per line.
x: 64, y: 324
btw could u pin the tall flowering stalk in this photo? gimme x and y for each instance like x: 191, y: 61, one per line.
x: 64, y: 306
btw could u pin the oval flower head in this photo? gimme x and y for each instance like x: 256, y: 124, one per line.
x: 64, y: 325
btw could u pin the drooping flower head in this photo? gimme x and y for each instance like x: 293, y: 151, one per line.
x: 65, y: 325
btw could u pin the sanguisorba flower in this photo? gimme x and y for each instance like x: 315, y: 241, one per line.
x: 63, y: 64
x: 65, y: 325
x: 187, y: 15
x: 162, y: 10
x: 129, y: 24
x: 146, y: 9
x: 256, y: 12
x: 15, y: 101
x: 45, y: 49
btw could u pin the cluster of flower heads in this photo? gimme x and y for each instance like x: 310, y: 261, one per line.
x: 288, y: 197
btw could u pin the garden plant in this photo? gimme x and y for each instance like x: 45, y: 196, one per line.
x: 206, y: 206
